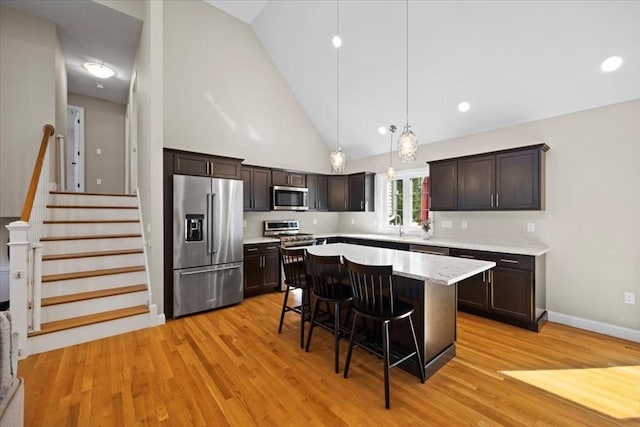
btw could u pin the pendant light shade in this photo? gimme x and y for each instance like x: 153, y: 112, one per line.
x: 390, y: 171
x: 407, y: 142
x: 337, y: 158
x: 407, y: 145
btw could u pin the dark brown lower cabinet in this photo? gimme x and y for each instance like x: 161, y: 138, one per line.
x: 512, y: 292
x: 261, y: 268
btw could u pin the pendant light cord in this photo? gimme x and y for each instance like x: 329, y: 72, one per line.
x: 407, y: 56
x: 337, y: 77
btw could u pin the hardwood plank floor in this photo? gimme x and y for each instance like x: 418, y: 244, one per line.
x: 229, y: 367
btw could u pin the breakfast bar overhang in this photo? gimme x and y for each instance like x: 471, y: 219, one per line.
x: 426, y: 281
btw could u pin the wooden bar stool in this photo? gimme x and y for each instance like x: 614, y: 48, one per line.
x: 373, y: 298
x: 295, y: 277
x: 331, y: 285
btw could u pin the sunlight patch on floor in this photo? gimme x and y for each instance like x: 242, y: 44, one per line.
x: 614, y: 391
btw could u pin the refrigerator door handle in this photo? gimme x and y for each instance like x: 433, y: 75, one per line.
x: 212, y: 218
x: 211, y: 270
x: 209, y: 242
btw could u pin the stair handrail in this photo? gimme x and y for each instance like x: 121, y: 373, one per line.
x: 47, y: 131
x: 25, y: 264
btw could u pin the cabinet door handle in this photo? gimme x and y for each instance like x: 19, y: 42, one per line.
x: 361, y: 205
x: 467, y: 256
x: 270, y: 248
x: 511, y: 261
x: 483, y: 277
x: 497, y: 200
x: 491, y: 199
x: 252, y: 249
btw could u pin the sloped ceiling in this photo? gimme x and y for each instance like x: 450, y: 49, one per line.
x: 514, y: 62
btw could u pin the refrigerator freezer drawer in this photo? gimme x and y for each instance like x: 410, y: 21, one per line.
x: 203, y: 288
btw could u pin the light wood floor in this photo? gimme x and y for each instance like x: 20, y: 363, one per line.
x: 230, y: 367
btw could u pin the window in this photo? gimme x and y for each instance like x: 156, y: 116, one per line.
x: 405, y: 200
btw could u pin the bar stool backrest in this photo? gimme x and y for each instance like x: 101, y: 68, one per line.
x: 293, y: 264
x: 372, y: 288
x: 327, y: 274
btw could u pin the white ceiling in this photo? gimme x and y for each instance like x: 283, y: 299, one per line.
x: 90, y: 32
x: 513, y: 61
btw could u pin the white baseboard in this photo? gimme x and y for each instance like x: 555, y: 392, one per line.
x: 594, y: 326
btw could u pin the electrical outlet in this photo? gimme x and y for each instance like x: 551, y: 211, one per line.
x: 149, y: 228
x: 464, y: 225
x: 315, y: 221
x: 353, y: 221
x: 629, y: 298
x: 99, y: 181
x: 531, y: 227
x: 446, y: 224
x: 244, y: 223
x: 98, y: 151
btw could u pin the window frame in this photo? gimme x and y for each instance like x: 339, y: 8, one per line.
x: 381, y: 199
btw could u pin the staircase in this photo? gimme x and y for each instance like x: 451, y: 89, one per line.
x: 94, y: 277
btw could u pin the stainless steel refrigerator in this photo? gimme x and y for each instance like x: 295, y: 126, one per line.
x: 207, y: 248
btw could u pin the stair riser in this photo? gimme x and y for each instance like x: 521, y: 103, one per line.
x: 85, y: 200
x: 78, y: 214
x: 91, y: 263
x: 90, y: 245
x: 66, y: 287
x: 96, y: 305
x: 83, y: 229
x: 87, y: 333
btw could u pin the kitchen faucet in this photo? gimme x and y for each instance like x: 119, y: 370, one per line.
x: 398, y: 220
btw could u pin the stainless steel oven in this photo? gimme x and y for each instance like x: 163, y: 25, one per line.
x: 289, y: 198
x: 288, y: 231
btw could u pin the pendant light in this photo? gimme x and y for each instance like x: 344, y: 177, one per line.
x: 407, y: 142
x: 390, y: 172
x: 337, y: 157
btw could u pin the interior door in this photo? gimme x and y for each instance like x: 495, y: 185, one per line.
x: 74, y: 149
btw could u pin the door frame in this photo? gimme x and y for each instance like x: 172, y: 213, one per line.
x: 76, y: 146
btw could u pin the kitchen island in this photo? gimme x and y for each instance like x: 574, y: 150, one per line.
x: 428, y: 283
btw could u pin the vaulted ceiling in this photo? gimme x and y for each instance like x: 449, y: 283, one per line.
x: 514, y: 62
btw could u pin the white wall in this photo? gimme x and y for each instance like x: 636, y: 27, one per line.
x: 223, y: 95
x: 103, y: 129
x: 148, y: 67
x: 591, y: 221
x: 27, y: 100
x: 61, y: 109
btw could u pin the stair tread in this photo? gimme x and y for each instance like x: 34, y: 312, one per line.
x: 90, y: 319
x: 92, y: 221
x: 90, y: 207
x: 88, y: 237
x: 91, y: 273
x: 82, y: 296
x: 92, y: 194
x: 91, y: 254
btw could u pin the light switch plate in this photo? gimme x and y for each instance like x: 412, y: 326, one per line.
x: 464, y: 225
x: 629, y: 298
x: 446, y: 224
x: 531, y: 227
x: 99, y: 181
x: 98, y: 151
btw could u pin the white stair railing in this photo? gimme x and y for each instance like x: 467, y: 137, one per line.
x: 25, y: 264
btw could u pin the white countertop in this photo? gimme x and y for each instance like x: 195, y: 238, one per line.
x: 515, y: 249
x: 258, y: 240
x: 435, y: 269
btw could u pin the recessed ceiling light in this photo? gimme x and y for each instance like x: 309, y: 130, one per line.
x: 99, y: 86
x: 612, y: 63
x: 337, y: 41
x: 464, y: 106
x: 99, y: 70
x: 382, y: 130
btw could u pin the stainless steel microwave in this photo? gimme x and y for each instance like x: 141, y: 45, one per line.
x: 289, y: 198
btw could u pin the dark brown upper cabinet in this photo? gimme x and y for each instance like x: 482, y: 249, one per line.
x: 361, y: 192
x: 338, y: 189
x: 503, y: 180
x: 443, y: 185
x: 288, y: 178
x: 318, y: 192
x: 256, y: 188
x: 185, y: 163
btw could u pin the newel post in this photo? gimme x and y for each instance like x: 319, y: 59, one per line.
x: 19, y: 247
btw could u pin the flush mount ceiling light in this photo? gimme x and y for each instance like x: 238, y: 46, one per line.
x: 464, y: 106
x: 337, y: 41
x: 612, y: 63
x: 337, y: 157
x: 407, y: 142
x: 382, y: 130
x: 99, y: 70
